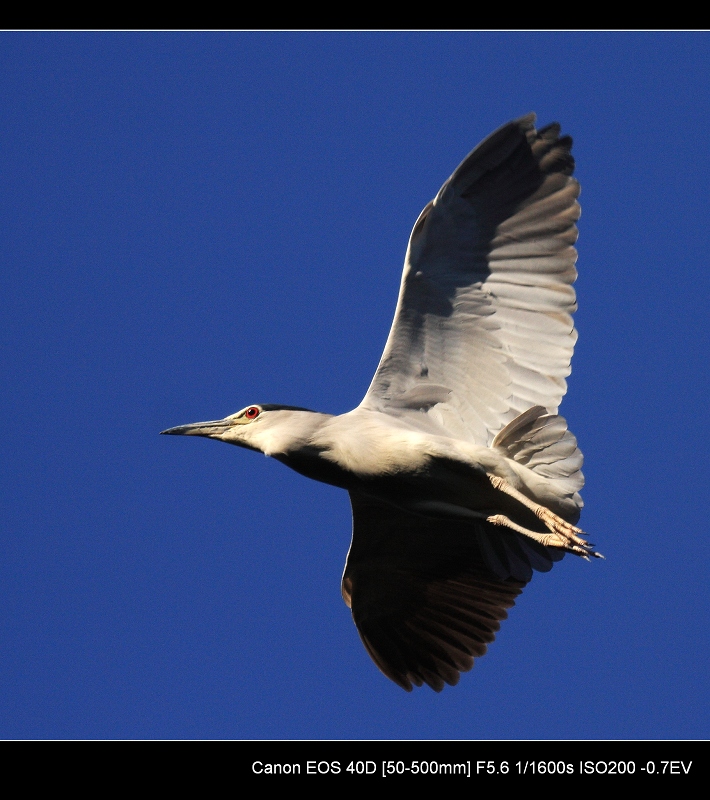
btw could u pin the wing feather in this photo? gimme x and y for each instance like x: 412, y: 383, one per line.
x: 427, y: 595
x: 486, y: 298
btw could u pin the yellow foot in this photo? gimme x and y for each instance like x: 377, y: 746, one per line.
x: 561, y: 538
x: 561, y: 527
x: 562, y: 533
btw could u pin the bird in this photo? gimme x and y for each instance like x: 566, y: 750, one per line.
x: 463, y: 478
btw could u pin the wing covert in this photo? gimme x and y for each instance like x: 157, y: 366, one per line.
x: 427, y: 595
x: 485, y: 303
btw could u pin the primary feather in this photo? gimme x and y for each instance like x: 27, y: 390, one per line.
x: 486, y: 297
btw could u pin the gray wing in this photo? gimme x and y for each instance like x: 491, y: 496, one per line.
x: 482, y: 329
x: 427, y: 595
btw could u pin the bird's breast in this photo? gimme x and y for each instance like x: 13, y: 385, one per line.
x: 394, y: 463
x: 348, y: 462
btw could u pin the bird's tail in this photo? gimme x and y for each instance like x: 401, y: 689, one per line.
x: 542, y: 442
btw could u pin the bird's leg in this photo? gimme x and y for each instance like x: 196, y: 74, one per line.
x: 563, y: 534
x: 552, y: 521
x: 554, y: 539
x: 546, y: 539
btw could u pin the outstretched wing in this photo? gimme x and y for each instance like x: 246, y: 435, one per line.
x: 482, y: 329
x: 427, y: 595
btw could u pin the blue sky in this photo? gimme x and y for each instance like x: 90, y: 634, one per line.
x: 193, y: 222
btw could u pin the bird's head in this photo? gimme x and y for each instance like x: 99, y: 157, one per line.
x: 270, y: 429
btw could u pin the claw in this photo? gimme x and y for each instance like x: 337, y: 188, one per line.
x: 562, y: 533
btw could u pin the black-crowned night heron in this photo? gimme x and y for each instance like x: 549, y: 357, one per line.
x: 462, y: 477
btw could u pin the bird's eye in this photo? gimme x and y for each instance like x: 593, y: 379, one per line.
x: 252, y: 412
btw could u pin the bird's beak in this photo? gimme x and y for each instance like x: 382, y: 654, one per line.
x: 215, y: 428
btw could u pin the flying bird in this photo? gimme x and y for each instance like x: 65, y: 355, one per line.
x: 463, y: 479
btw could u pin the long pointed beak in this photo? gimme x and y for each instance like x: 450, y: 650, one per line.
x: 213, y: 428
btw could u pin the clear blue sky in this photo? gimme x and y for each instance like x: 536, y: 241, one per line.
x: 197, y: 221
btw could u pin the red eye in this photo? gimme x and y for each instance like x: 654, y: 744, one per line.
x: 252, y: 412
